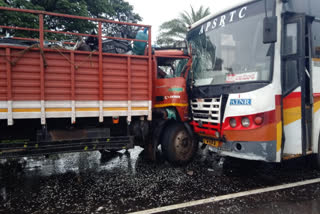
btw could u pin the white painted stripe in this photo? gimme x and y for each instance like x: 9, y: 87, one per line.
x: 150, y: 111
x: 129, y: 111
x: 101, y: 111
x: 10, y: 115
x: 227, y: 197
x: 43, y: 112
x: 73, y: 111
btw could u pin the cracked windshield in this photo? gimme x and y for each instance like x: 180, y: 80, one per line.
x: 229, y: 48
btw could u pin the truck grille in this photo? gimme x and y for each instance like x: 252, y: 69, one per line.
x: 206, y: 110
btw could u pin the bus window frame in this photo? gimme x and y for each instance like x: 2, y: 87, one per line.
x: 300, y: 19
x: 313, y: 52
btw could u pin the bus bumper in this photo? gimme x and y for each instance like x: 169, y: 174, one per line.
x: 260, y: 151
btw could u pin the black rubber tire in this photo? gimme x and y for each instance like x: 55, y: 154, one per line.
x: 177, y: 144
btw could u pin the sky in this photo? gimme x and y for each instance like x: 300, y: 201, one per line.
x: 155, y: 12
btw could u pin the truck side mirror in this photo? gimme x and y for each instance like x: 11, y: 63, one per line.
x: 270, y: 30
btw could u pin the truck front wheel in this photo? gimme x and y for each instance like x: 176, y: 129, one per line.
x: 177, y: 144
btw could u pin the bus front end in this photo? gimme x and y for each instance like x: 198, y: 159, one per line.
x: 235, y: 99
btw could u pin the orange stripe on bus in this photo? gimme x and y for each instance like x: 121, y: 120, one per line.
x: 279, y: 136
x: 291, y: 102
x: 316, y: 106
x: 264, y: 133
x: 291, y: 115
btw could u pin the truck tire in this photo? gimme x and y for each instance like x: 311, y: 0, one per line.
x: 177, y: 144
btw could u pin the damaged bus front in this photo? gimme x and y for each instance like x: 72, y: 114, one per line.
x: 254, y: 72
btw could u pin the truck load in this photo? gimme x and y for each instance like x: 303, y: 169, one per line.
x: 62, y: 98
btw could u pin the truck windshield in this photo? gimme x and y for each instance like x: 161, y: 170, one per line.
x: 229, y: 48
x: 171, y: 67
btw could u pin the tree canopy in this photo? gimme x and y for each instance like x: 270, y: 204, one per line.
x: 118, y: 10
x: 176, y: 29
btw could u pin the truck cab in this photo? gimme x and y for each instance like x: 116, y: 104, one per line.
x: 170, y: 105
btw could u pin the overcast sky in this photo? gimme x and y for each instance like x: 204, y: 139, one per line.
x: 155, y: 12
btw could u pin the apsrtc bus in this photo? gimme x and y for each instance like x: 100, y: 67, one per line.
x: 256, y: 74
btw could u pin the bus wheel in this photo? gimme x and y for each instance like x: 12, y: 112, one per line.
x: 177, y: 144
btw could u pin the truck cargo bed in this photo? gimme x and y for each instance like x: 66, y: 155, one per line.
x: 70, y: 84
x: 38, y: 82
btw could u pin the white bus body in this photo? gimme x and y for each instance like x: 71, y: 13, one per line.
x: 253, y: 100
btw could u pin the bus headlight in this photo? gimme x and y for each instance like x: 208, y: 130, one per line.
x: 233, y: 122
x: 245, y: 122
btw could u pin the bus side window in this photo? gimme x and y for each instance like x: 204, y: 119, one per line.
x: 316, y: 39
x: 291, y: 40
x: 291, y: 79
x: 315, y: 30
x: 291, y: 75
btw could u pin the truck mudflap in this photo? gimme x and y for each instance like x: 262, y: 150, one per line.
x: 28, y: 148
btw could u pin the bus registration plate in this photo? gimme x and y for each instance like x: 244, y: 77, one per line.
x: 210, y: 142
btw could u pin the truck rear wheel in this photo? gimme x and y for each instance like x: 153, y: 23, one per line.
x: 177, y: 144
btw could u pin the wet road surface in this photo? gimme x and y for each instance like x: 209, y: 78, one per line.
x: 301, y: 200
x: 125, y: 182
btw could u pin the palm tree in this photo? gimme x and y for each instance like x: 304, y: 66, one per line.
x: 176, y: 29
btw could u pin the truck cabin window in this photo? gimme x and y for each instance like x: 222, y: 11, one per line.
x: 170, y: 67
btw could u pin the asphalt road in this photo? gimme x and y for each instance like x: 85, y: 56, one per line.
x: 125, y: 182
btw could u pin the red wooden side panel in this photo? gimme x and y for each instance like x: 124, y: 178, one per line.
x: 25, y: 75
x: 69, y: 75
x: 86, y: 77
x: 139, y: 78
x: 115, y: 78
x: 57, y: 76
x: 3, y: 75
x: 59, y: 79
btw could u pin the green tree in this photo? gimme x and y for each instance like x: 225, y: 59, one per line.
x: 176, y: 29
x: 118, y: 10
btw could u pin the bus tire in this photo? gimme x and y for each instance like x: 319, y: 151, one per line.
x: 177, y: 144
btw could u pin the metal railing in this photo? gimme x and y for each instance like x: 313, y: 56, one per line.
x: 99, y: 22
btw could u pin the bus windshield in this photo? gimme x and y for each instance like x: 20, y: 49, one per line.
x: 229, y: 48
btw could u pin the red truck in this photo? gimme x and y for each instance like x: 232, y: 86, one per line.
x: 56, y: 100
